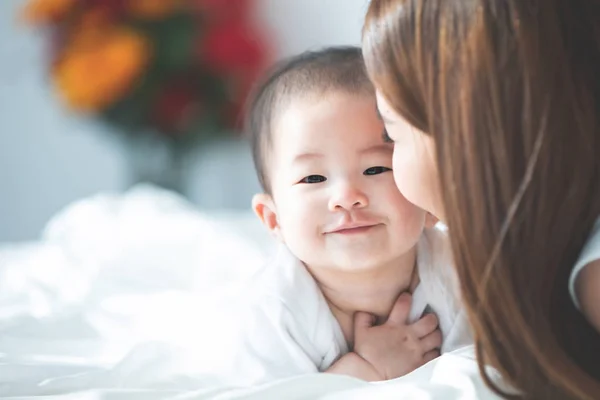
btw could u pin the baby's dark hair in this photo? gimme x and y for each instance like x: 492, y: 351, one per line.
x: 312, y: 73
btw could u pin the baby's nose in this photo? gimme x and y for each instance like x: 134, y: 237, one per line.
x: 348, y: 198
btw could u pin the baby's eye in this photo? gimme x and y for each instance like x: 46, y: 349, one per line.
x: 386, y: 137
x: 313, y: 179
x: 376, y: 170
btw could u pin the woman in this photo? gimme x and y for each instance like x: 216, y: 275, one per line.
x: 494, y: 106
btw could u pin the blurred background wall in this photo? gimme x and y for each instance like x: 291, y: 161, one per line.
x: 49, y: 158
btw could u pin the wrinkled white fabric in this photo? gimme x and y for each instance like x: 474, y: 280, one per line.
x: 111, y: 301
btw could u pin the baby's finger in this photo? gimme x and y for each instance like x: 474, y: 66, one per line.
x: 363, y: 320
x: 427, y: 324
x: 401, y: 309
x: 432, y: 341
x: 430, y: 355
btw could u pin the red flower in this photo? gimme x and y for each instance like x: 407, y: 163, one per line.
x: 176, y: 108
x: 232, y: 48
x: 238, y: 53
x: 217, y: 11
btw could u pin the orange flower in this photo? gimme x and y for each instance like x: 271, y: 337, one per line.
x: 98, y: 68
x: 152, y: 9
x: 44, y: 11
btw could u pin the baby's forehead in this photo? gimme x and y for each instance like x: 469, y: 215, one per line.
x: 327, y: 125
x: 319, y: 110
x: 335, y: 97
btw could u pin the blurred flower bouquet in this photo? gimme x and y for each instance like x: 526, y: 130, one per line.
x: 176, y: 70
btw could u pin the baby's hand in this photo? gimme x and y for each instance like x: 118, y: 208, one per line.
x: 396, y: 348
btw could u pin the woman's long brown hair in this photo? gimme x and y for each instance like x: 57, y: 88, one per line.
x: 510, y: 92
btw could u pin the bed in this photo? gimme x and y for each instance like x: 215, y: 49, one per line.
x: 104, y: 306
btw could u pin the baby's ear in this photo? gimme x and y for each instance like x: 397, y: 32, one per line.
x: 430, y: 220
x: 264, y: 208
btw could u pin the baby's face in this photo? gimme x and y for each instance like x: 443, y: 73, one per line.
x: 333, y: 188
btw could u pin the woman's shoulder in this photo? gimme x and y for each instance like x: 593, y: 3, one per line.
x: 590, y: 253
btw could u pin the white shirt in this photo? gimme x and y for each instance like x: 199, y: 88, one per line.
x: 591, y: 252
x: 280, y: 324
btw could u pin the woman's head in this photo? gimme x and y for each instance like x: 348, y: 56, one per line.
x: 494, y: 106
x: 415, y: 168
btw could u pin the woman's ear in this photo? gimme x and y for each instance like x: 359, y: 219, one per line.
x: 265, y: 210
x: 430, y: 220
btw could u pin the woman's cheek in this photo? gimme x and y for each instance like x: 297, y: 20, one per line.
x: 406, y: 176
x: 400, y: 168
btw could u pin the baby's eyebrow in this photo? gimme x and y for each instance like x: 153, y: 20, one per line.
x: 385, y: 148
x: 379, y: 148
x: 307, y: 157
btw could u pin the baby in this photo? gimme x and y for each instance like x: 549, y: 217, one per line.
x: 336, y: 297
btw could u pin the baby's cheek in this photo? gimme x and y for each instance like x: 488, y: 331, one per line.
x: 306, y: 247
x: 395, y: 196
x: 300, y: 231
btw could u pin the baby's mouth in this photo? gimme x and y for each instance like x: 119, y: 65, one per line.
x: 353, y: 228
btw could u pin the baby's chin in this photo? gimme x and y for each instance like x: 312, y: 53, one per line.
x: 356, y: 260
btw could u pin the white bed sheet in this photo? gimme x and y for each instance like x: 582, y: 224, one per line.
x: 108, y: 305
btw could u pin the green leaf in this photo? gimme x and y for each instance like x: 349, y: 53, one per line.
x: 131, y: 112
x: 174, y: 41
